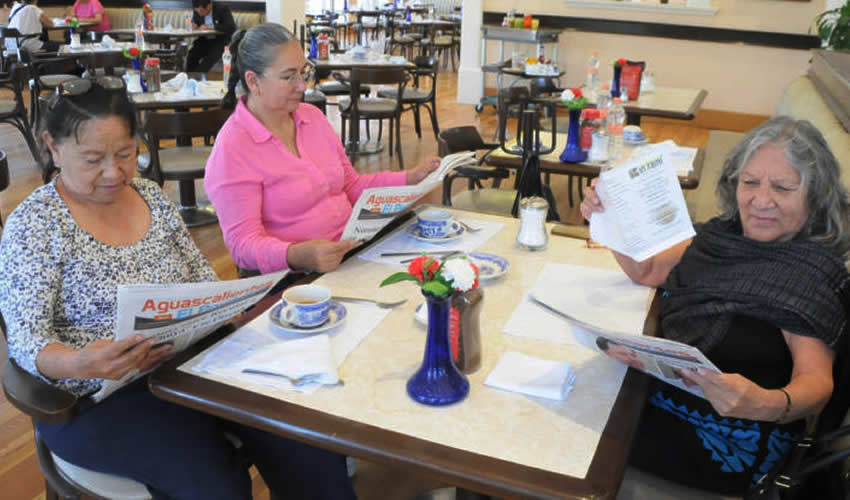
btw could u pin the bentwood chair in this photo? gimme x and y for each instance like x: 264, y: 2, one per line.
x: 376, y: 108
x: 46, y: 73
x: 183, y: 163
x: 419, y: 95
x: 45, y: 403
x: 4, y: 176
x: 13, y: 111
x: 476, y: 197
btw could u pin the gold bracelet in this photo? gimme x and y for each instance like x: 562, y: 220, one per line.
x: 787, y: 405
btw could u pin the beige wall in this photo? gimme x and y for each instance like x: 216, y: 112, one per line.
x: 738, y: 77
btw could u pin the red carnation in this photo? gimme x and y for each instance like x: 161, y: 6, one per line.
x: 67, y: 20
x: 576, y: 92
x: 423, y: 268
x: 621, y: 62
x: 134, y: 51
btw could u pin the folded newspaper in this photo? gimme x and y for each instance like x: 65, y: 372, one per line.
x: 662, y: 358
x: 181, y: 313
x: 377, y: 207
x: 645, y: 210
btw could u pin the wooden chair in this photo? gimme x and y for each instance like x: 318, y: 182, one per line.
x: 46, y: 73
x: 443, y: 44
x: 4, y: 176
x: 105, y: 63
x: 476, y: 197
x: 376, y: 108
x: 418, y: 95
x: 13, y: 111
x: 183, y: 163
x: 46, y: 403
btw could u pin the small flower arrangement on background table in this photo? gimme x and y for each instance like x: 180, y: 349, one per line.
x: 438, y: 381
x: 575, y: 101
x: 147, y: 11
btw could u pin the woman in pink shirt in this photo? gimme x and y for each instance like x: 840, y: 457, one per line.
x: 91, y: 11
x: 278, y: 175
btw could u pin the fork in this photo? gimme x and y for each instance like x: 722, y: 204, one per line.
x: 380, y: 303
x: 295, y: 381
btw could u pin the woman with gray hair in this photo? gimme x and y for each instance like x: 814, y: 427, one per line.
x: 278, y: 174
x: 764, y: 292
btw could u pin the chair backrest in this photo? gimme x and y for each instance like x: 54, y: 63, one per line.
x: 107, y: 61
x: 509, y: 98
x: 457, y: 139
x: 4, y: 183
x: 17, y: 79
x: 426, y: 66
x: 381, y: 76
x: 544, y: 85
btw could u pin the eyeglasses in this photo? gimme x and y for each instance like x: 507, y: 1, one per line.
x: 306, y: 75
x: 80, y: 86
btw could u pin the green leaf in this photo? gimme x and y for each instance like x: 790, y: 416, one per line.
x: 436, y: 288
x: 398, y: 277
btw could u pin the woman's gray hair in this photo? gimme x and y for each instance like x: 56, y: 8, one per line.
x: 253, y: 50
x: 809, y: 155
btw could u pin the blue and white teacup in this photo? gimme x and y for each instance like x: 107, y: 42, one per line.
x: 436, y: 223
x: 632, y: 133
x: 306, y: 305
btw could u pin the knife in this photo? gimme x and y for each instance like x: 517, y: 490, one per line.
x: 407, y: 254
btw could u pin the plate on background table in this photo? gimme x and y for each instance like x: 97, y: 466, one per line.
x: 413, y: 232
x: 489, y: 265
x: 640, y: 142
x: 336, y: 316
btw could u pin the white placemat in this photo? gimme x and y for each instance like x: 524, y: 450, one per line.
x: 400, y: 241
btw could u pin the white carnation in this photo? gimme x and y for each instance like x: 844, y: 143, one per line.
x: 567, y: 95
x: 459, y: 273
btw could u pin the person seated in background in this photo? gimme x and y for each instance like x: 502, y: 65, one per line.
x: 278, y: 174
x: 91, y: 11
x: 30, y: 21
x: 64, y: 252
x: 764, y: 292
x: 207, y: 50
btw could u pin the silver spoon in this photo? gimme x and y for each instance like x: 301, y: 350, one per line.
x: 468, y: 227
x: 380, y: 303
x: 295, y: 381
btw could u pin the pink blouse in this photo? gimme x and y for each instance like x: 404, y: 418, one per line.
x: 267, y: 198
x: 89, y: 10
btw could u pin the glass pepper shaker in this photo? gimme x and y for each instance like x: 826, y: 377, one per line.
x: 532, y: 223
x: 465, y: 330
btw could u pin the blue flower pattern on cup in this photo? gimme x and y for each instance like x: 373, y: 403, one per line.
x: 304, y: 315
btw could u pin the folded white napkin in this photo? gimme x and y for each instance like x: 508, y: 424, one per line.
x: 294, y: 358
x: 107, y: 42
x: 542, y: 378
x: 177, y: 82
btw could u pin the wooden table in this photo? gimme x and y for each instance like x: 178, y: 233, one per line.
x: 552, y: 164
x: 665, y: 102
x: 338, y: 62
x: 371, y: 417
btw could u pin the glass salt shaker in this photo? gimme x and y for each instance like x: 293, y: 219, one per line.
x: 532, y: 224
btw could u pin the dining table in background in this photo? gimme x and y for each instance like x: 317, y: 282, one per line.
x: 164, y: 37
x: 494, y: 442
x: 664, y: 102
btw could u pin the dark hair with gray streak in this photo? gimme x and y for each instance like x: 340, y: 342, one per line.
x: 253, y: 50
x: 809, y: 155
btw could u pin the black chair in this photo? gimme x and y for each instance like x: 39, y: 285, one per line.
x: 376, y: 108
x: 476, y: 197
x: 14, y: 111
x: 46, y: 403
x: 46, y: 73
x: 183, y: 164
x: 8, y: 57
x: 105, y: 63
x: 418, y: 95
x: 398, y: 40
x: 4, y: 176
x: 443, y: 44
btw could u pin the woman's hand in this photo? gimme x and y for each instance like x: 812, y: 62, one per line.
x: 591, y: 202
x: 733, y: 395
x: 318, y: 255
x: 416, y: 175
x: 111, y: 359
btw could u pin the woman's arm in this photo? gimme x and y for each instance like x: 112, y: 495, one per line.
x: 102, y: 359
x: 811, y: 384
x: 45, y: 21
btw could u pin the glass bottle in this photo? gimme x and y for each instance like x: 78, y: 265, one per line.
x: 465, y: 330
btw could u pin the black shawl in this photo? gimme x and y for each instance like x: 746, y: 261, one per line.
x: 798, y: 286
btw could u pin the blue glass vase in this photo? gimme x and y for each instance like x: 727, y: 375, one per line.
x: 438, y: 382
x: 314, y: 47
x: 573, y: 152
x: 615, y: 82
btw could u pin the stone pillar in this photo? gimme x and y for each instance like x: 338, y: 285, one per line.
x: 469, y: 74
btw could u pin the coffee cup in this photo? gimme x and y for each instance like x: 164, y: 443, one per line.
x: 306, y: 305
x: 632, y: 133
x: 437, y: 224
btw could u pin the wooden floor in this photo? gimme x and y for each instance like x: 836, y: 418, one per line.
x: 19, y: 472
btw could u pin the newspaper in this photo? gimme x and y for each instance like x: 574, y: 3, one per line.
x: 662, y: 358
x: 377, y: 207
x: 181, y: 313
x: 645, y: 211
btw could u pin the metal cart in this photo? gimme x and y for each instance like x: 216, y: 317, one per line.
x: 514, y: 35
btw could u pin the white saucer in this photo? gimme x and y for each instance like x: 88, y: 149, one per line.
x: 413, y: 232
x: 489, y: 265
x: 336, y: 316
x: 641, y: 142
